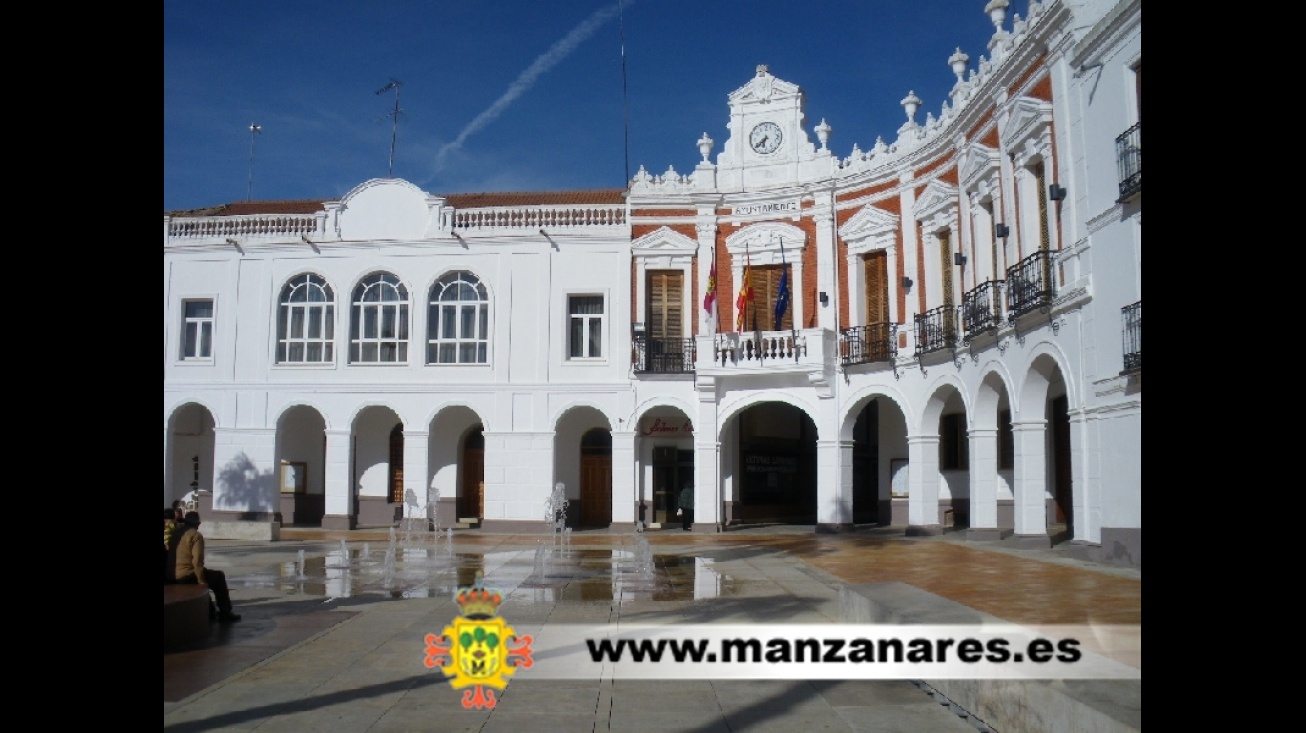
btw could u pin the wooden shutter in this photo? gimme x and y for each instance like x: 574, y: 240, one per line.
x: 666, y: 304
x: 876, y: 267
x: 766, y: 288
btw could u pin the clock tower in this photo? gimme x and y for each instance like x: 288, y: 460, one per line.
x: 767, y: 146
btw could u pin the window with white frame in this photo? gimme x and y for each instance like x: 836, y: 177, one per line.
x: 378, y: 321
x: 585, y: 327
x: 458, y: 319
x: 197, y: 330
x: 306, y: 321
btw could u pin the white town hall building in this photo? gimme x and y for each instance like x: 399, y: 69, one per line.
x: 960, y: 349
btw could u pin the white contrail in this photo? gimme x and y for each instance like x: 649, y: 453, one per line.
x: 527, y: 78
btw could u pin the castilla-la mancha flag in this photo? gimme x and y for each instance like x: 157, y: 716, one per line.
x: 709, y: 298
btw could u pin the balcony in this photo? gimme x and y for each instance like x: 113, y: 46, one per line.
x: 867, y: 344
x: 1030, y: 285
x: 981, y: 309
x: 1129, y: 159
x: 663, y: 356
x: 936, y: 329
x: 1132, y: 315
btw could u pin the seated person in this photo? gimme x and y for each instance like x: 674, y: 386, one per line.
x: 187, y: 551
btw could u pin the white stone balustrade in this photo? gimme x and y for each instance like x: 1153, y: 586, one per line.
x: 537, y: 217
x: 761, y: 350
x: 270, y: 226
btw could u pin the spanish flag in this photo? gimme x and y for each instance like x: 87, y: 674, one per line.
x: 745, y: 297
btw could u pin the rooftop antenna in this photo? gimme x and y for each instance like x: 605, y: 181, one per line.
x: 249, y: 187
x: 394, y: 116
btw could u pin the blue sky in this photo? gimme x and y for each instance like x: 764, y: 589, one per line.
x: 513, y: 95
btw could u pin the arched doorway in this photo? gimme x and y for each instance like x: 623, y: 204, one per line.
x: 777, y: 465
x: 596, y: 478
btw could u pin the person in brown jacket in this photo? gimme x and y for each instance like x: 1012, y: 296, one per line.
x: 188, y: 566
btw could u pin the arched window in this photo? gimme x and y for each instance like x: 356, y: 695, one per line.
x: 378, y: 321
x: 458, y: 321
x: 306, y: 321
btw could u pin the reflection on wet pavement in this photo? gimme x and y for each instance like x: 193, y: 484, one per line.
x: 551, y: 571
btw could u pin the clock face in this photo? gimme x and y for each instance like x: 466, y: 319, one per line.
x: 766, y: 138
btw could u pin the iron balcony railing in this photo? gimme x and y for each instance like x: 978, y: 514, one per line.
x: 663, y: 356
x: 1030, y: 285
x: 1129, y: 158
x: 936, y: 329
x: 1133, y: 337
x: 870, y: 343
x: 981, y: 309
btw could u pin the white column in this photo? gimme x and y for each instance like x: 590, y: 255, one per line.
x: 708, y: 495
x: 1031, y: 477
x: 1086, y: 498
x: 923, y: 481
x: 245, y: 471
x: 984, y: 478
x: 834, y: 484
x: 339, y: 486
x: 623, y: 478
x: 416, y: 477
x: 706, y: 228
x: 827, y: 278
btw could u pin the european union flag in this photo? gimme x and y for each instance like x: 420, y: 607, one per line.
x: 782, y: 298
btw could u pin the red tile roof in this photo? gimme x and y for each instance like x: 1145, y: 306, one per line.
x: 456, y: 200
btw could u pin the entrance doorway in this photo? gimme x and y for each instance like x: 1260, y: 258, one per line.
x: 1062, y: 492
x: 596, y: 479
x: 471, y: 495
x: 672, y: 470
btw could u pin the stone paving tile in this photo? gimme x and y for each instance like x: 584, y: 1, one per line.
x: 365, y: 674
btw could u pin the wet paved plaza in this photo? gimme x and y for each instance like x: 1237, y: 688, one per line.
x: 332, y: 636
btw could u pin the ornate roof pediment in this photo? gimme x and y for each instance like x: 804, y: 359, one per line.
x: 938, y: 196
x: 762, y: 243
x: 663, y: 241
x: 763, y: 88
x: 868, y: 222
x: 1028, y: 119
x: 870, y: 229
x: 979, y: 162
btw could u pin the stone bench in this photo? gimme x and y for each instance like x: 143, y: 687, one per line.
x: 185, y: 615
x: 219, y: 529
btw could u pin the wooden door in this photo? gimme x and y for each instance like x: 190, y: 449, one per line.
x: 876, y: 268
x: 471, y: 495
x: 596, y: 491
x: 397, y: 464
x: 666, y: 305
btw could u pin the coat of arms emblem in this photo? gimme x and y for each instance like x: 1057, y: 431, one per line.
x: 479, y: 649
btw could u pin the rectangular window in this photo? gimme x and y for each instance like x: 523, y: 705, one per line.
x: 585, y: 327
x: 953, y: 454
x: 197, y: 330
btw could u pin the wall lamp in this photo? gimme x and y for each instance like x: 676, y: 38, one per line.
x: 1001, y: 230
x: 958, y: 259
x: 1056, y: 193
x: 906, y: 282
x: 825, y: 299
x: 544, y: 233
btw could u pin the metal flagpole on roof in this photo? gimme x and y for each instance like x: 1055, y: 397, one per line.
x: 249, y: 187
x: 394, y: 115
